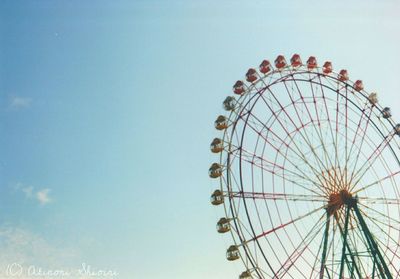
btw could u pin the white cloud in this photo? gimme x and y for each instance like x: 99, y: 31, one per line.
x: 43, y: 196
x: 20, y: 102
x: 21, y: 249
x: 28, y: 191
x: 28, y: 255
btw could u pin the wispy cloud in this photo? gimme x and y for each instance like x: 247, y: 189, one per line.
x: 28, y: 255
x: 20, y: 102
x: 42, y: 196
x: 28, y: 191
x: 21, y: 249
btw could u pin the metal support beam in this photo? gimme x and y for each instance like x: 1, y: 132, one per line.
x: 353, y: 259
x: 346, y: 226
x: 373, y: 246
x: 324, y: 250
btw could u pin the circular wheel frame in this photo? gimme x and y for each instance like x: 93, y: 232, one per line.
x: 300, y: 144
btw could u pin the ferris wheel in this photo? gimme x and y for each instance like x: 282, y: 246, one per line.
x: 308, y: 170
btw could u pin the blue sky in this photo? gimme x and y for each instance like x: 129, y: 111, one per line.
x: 107, y: 113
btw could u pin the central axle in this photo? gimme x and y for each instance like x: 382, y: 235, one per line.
x: 338, y: 199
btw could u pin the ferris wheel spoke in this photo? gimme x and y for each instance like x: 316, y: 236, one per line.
x: 277, y: 143
x: 372, y: 200
x: 328, y: 116
x: 367, y: 118
x: 269, y: 244
x: 299, y: 250
x: 363, y: 137
x: 270, y: 131
x: 337, y: 160
x: 231, y: 180
x: 299, y: 151
x: 270, y: 168
x: 331, y: 129
x: 379, y: 224
x: 293, y: 180
x: 302, y: 156
x: 254, y: 158
x: 344, y: 175
x: 336, y: 165
x: 357, y: 175
x: 282, y: 169
x: 277, y: 196
x: 287, y: 223
x: 304, y: 135
x: 381, y: 214
x: 328, y: 161
x: 283, y: 110
x: 390, y: 176
x: 342, y: 116
x: 271, y: 101
x: 328, y: 158
x: 340, y: 172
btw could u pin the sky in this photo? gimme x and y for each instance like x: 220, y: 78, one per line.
x: 107, y: 111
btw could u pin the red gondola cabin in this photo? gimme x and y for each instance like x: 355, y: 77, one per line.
x: 295, y: 61
x: 327, y: 68
x: 238, y: 87
x: 280, y: 62
x: 251, y: 75
x: 311, y: 63
x: 343, y: 75
x: 265, y: 67
x: 358, y: 85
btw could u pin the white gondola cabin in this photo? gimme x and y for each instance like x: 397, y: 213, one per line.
x: 229, y: 103
x: 221, y: 123
x: 245, y: 275
x: 386, y: 113
x: 217, y: 197
x: 215, y: 170
x: 397, y: 129
x: 373, y: 99
x: 216, y: 145
x: 232, y: 254
x: 223, y: 225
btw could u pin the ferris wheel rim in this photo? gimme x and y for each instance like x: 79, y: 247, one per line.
x: 289, y: 71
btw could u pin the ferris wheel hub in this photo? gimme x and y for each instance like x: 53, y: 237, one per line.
x: 338, y: 199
